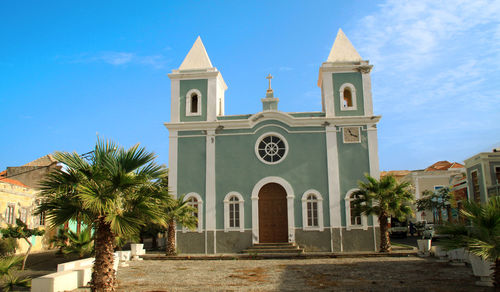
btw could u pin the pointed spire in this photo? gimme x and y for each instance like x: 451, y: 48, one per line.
x: 343, y: 50
x: 197, y: 58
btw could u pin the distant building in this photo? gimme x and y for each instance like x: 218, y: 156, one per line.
x: 18, y: 192
x: 483, y: 175
x: 31, y: 173
x: 432, y: 178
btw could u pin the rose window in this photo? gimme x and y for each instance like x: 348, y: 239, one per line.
x: 271, y: 149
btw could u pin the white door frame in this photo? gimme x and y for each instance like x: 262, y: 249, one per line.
x: 290, y: 196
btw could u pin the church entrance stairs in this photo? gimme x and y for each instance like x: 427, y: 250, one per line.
x: 281, y: 249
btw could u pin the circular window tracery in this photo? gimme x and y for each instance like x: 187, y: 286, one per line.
x: 271, y: 148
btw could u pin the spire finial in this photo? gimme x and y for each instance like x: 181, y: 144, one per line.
x: 269, y: 77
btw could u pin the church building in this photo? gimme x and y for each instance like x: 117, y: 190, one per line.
x: 273, y: 176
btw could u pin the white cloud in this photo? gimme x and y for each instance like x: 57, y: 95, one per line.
x: 119, y: 59
x: 436, y: 73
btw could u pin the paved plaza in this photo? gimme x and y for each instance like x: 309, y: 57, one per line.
x: 338, y: 274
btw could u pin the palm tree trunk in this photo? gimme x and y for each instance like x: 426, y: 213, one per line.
x: 385, y: 242
x: 103, y: 275
x: 171, y: 238
x: 440, y: 215
x: 27, y: 253
x: 448, y: 213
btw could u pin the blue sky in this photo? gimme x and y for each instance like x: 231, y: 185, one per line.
x: 69, y: 70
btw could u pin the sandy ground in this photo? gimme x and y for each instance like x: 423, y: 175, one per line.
x: 340, y: 274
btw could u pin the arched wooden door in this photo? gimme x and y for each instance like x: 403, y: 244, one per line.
x: 273, y: 218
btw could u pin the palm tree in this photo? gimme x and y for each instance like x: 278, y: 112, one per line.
x: 105, y: 193
x: 482, y: 234
x: 10, y: 282
x: 384, y: 198
x: 178, y: 211
x: 80, y: 243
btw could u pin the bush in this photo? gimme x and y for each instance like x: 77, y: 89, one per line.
x: 8, y: 246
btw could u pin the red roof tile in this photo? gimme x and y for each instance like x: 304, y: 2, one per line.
x: 13, y: 182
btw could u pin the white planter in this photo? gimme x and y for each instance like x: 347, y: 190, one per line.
x: 424, y: 246
x: 482, y: 269
x: 440, y: 252
x: 137, y: 249
x: 457, y: 255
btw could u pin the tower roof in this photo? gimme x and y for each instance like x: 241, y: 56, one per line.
x: 342, y: 50
x: 197, y: 58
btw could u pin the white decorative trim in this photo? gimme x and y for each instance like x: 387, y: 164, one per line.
x: 364, y: 219
x: 226, y: 212
x: 271, y: 134
x: 212, y: 99
x: 174, y: 99
x: 210, y: 180
x: 333, y: 176
x: 319, y: 200
x: 373, y: 158
x: 353, y: 96
x: 172, y: 163
x: 200, y: 211
x: 367, y: 94
x: 285, y: 118
x: 255, y: 206
x: 189, y: 96
x: 328, y: 96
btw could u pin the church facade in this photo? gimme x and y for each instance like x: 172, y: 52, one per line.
x: 273, y: 176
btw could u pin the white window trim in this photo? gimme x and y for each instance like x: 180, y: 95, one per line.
x: 226, y: 212
x: 364, y: 218
x: 7, y: 217
x: 319, y: 198
x: 353, y: 95
x: 351, y: 142
x: 188, y: 103
x: 200, y: 212
x: 271, y: 134
x: 495, y: 167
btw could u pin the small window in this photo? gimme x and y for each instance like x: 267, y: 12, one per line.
x: 193, y: 202
x: 354, y: 219
x: 347, y: 97
x: 475, y: 187
x: 10, y: 215
x: 194, y: 103
x: 312, y: 211
x: 347, y: 94
x: 355, y: 216
x: 234, y: 213
x: 497, y: 174
x: 41, y: 218
x: 24, y: 215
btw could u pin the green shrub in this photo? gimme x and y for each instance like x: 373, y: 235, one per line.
x: 8, y: 246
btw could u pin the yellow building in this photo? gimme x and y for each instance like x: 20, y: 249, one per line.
x: 18, y: 201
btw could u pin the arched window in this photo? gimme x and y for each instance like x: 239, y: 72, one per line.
x: 194, y: 200
x: 233, y: 212
x: 193, y: 103
x: 354, y: 220
x: 355, y: 215
x: 347, y: 97
x: 312, y: 210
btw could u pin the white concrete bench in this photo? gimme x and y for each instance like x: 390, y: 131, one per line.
x: 84, y: 275
x: 55, y: 282
x: 75, y: 264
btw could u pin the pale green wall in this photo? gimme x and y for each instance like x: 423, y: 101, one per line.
x: 238, y: 168
x: 353, y: 164
x: 185, y: 86
x: 355, y: 79
x: 191, y: 168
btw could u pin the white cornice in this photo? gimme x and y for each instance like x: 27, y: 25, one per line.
x: 197, y: 74
x: 274, y: 115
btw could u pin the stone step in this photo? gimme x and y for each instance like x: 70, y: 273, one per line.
x: 275, y: 243
x: 272, y: 246
x: 274, y: 251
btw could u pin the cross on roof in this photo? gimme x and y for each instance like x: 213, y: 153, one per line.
x: 269, y: 77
